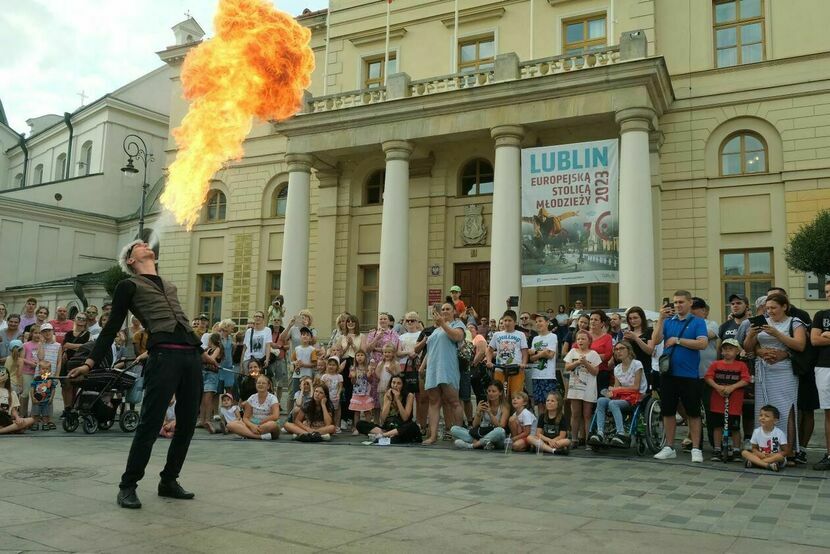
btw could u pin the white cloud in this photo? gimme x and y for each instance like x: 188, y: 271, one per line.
x: 53, y: 49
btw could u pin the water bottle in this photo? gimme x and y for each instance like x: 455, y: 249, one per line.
x: 508, y: 445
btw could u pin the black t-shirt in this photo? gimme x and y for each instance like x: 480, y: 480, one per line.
x: 822, y: 322
x: 728, y: 330
x: 550, y: 428
x: 639, y: 353
x: 800, y: 314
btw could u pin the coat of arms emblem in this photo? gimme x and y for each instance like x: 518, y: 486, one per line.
x: 473, y: 231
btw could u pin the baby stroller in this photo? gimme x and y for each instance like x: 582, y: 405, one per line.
x: 99, y: 394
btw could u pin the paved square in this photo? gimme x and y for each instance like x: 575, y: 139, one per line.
x: 58, y: 494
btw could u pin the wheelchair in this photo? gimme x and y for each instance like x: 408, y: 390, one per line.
x: 644, y: 426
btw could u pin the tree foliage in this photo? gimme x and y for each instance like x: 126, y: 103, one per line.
x: 809, y: 248
x: 112, y: 277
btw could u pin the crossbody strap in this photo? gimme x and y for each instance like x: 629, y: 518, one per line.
x: 679, y: 336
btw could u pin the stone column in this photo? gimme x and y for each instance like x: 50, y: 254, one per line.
x: 505, y: 262
x: 636, y: 244
x: 294, y: 272
x: 394, y: 234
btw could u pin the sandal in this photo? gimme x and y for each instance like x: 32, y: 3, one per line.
x: 773, y: 466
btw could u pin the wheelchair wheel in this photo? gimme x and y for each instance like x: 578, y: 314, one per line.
x: 655, y: 433
x: 71, y: 422
x: 641, y: 446
x: 128, y: 421
x: 90, y: 425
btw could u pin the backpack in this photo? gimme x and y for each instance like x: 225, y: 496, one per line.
x: 803, y: 362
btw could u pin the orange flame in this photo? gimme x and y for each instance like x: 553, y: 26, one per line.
x: 257, y: 65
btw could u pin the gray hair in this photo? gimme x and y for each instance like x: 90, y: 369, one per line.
x: 125, y: 255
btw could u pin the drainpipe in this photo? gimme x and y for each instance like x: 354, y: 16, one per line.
x: 22, y: 142
x: 66, y: 116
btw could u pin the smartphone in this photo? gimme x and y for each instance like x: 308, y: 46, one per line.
x: 666, y: 301
x: 513, y: 301
x: 757, y: 321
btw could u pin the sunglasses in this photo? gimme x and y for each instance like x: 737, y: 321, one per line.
x: 410, y: 320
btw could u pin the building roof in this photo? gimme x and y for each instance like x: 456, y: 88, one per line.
x: 96, y: 278
x: 3, y: 119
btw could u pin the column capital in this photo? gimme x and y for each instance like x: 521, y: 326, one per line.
x: 328, y: 177
x: 299, y: 162
x: 508, y: 135
x: 397, y: 149
x: 636, y: 119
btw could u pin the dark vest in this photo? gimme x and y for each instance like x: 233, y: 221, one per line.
x: 158, y: 311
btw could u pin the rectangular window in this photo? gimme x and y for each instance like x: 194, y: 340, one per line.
x: 210, y: 296
x: 738, y: 32
x: 274, y: 281
x: 582, y: 34
x: 476, y: 54
x: 369, y: 281
x: 592, y: 296
x: 746, y: 272
x: 373, y: 74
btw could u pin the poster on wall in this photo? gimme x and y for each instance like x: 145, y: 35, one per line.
x: 570, y: 219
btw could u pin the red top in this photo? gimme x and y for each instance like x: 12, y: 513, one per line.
x: 61, y: 328
x: 728, y: 373
x: 461, y: 309
x: 604, y: 346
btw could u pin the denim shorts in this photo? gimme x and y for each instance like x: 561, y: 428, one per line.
x: 464, y: 386
x: 226, y: 378
x: 210, y: 381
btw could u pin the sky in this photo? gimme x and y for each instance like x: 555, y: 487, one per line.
x: 55, y: 49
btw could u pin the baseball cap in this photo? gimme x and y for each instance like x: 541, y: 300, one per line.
x: 15, y: 344
x: 730, y: 342
x: 760, y: 301
x: 305, y: 331
x: 335, y: 358
x: 455, y: 288
x: 204, y: 317
x: 740, y: 297
x: 698, y: 303
x: 540, y: 314
x: 47, y: 327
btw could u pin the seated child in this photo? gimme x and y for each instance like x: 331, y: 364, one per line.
x: 301, y: 397
x: 315, y: 420
x: 521, y: 422
x: 552, y: 429
x: 10, y: 421
x: 228, y: 411
x: 629, y: 385
x: 727, y: 377
x: 768, y: 442
x: 168, y: 428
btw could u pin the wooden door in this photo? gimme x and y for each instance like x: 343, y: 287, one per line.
x: 474, y: 280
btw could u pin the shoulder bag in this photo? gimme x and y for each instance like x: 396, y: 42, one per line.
x: 664, y: 361
x: 803, y: 363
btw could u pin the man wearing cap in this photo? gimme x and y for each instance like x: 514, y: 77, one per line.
x: 174, y: 366
x: 460, y: 307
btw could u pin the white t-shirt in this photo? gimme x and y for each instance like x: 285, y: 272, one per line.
x: 230, y: 414
x: 206, y: 341
x: 332, y: 382
x: 582, y: 385
x: 261, y: 411
x: 255, y: 345
x: 769, y: 443
x: 626, y: 378
x: 545, y: 367
x: 407, y: 344
x: 508, y: 347
x: 9, y: 400
x: 526, y: 417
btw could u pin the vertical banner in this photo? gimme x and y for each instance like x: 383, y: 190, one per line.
x: 570, y: 219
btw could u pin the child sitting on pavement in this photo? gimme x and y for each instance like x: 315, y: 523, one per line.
x: 521, y: 422
x: 315, y: 421
x: 228, y: 410
x: 727, y: 378
x: 768, y: 442
x: 552, y: 428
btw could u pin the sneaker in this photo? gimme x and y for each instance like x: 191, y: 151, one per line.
x: 697, y: 455
x: 295, y: 437
x: 324, y: 436
x: 463, y: 445
x: 801, y: 457
x: 716, y: 457
x: 823, y: 464
x: 375, y: 436
x: 620, y: 441
x: 666, y: 453
x: 773, y: 467
x: 488, y: 445
x: 597, y: 439
x: 747, y: 445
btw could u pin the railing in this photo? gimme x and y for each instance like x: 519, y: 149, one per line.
x: 456, y: 81
x: 347, y: 100
x: 567, y: 63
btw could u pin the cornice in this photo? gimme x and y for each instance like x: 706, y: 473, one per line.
x: 375, y: 35
x: 473, y: 14
x: 28, y: 210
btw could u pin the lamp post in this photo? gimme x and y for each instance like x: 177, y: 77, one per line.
x: 136, y: 148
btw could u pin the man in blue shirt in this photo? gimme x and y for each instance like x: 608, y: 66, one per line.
x: 683, y: 336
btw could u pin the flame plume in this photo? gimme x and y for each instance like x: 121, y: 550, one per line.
x: 257, y: 65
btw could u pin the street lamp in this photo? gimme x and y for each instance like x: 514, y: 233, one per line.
x: 136, y: 148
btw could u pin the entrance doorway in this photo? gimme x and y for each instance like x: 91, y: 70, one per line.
x: 474, y: 280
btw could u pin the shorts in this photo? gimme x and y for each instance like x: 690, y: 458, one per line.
x: 210, y: 381
x: 465, y: 387
x: 823, y: 387
x: 281, y: 377
x: 808, y: 399
x: 674, y: 390
x: 42, y: 409
x: 543, y: 387
x: 226, y: 378
x: 716, y: 422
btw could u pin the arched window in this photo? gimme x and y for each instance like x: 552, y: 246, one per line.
x: 373, y: 190
x: 743, y: 152
x: 279, y: 200
x: 60, y: 167
x: 216, y: 206
x: 38, y: 176
x: 476, y: 178
x: 18, y: 181
x: 86, y: 159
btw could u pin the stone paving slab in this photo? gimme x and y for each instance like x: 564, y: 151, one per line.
x: 343, y: 496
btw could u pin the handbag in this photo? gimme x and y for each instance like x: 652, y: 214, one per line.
x: 803, y: 363
x: 664, y: 362
x: 466, y: 351
x: 410, y: 376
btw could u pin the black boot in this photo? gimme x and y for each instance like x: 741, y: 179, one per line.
x: 127, y: 498
x: 172, y: 489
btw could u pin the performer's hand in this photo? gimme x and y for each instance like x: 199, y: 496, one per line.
x: 81, y: 370
x: 207, y: 360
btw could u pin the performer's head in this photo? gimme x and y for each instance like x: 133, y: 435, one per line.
x: 133, y: 252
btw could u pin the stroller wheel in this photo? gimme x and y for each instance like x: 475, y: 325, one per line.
x: 90, y: 425
x: 104, y: 425
x: 128, y: 421
x: 70, y: 422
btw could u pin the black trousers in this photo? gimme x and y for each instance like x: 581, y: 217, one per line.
x: 407, y: 432
x: 166, y: 373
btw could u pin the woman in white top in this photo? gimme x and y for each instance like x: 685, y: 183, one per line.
x: 257, y: 342
x: 4, y: 312
x: 261, y: 412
